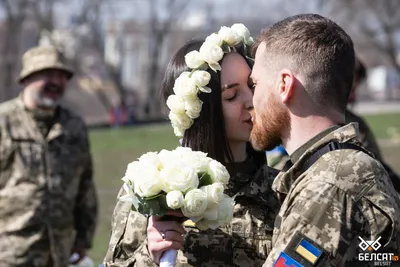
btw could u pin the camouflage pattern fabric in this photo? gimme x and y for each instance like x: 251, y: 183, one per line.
x: 343, y: 195
x: 48, y: 202
x: 246, y: 241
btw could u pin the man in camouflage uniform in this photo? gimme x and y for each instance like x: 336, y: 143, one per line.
x: 48, y: 205
x: 366, y: 136
x: 246, y: 241
x: 333, y: 192
x: 278, y: 157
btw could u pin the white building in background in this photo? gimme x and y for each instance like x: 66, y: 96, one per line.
x: 384, y: 83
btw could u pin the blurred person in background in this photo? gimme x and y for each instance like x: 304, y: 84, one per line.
x: 366, y: 136
x: 48, y: 203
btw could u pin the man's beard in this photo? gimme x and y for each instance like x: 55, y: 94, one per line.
x: 269, y: 126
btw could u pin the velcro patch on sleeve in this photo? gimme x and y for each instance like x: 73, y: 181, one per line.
x: 305, y: 251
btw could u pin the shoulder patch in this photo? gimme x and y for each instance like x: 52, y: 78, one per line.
x: 305, y: 251
x: 285, y: 260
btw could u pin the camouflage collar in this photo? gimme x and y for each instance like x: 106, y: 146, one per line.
x: 286, y: 178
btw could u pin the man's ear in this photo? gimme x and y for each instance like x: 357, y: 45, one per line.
x: 286, y: 85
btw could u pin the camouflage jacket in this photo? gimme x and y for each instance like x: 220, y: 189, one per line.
x: 246, y: 241
x: 47, y: 198
x: 344, y: 195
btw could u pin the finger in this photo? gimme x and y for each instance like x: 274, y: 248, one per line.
x: 164, y: 226
x: 172, y: 236
x: 176, y: 213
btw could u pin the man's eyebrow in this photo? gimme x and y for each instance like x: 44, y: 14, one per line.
x: 228, y: 86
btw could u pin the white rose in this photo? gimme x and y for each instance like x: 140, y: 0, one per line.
x: 180, y: 120
x: 184, y: 85
x: 211, y: 214
x: 151, y: 158
x: 176, y: 104
x: 183, y: 151
x: 179, y: 177
x: 168, y: 158
x: 229, y: 36
x: 214, y: 39
x: 214, y: 192
x: 241, y: 30
x: 147, y: 183
x: 175, y: 199
x: 225, y: 210
x: 211, y: 53
x: 194, y: 60
x: 195, y: 203
x: 131, y: 172
x: 193, y: 107
x: 218, y: 172
x: 178, y: 131
x: 201, y: 78
x: 198, y: 160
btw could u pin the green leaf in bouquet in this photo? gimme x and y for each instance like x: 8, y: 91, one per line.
x: 226, y: 48
x: 156, y: 205
x: 153, y: 197
x: 205, y: 179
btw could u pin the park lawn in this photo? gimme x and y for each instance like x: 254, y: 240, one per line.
x: 381, y: 124
x: 113, y: 149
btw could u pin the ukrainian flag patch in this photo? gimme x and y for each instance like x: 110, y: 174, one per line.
x: 285, y: 260
x: 308, y: 251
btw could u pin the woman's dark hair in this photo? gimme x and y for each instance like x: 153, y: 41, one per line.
x: 207, y: 134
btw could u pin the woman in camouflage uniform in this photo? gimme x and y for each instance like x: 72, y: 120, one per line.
x: 223, y: 131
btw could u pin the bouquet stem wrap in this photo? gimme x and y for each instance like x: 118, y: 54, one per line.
x: 168, y: 258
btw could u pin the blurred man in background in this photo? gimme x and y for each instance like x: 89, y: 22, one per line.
x: 366, y: 137
x: 48, y: 203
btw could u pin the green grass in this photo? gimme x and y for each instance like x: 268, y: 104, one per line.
x: 380, y: 124
x: 113, y: 149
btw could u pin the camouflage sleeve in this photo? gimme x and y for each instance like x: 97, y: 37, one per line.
x: 127, y: 246
x: 86, y: 208
x: 316, y: 214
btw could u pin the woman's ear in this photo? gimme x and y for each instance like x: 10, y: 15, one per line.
x: 286, y: 85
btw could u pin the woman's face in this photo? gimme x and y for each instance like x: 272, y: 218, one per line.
x: 236, y: 97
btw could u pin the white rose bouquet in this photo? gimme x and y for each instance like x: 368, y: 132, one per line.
x: 179, y: 179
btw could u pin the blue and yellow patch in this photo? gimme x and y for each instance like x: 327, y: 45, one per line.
x: 305, y: 251
x: 308, y: 251
x: 285, y: 260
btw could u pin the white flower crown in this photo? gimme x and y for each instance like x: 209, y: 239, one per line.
x: 185, y: 104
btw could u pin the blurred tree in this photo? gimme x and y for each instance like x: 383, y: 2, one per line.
x: 374, y: 23
x: 163, y: 15
x: 15, y: 13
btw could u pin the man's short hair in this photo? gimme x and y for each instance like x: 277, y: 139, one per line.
x: 319, y: 50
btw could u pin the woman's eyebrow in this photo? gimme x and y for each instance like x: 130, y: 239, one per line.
x: 228, y: 86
